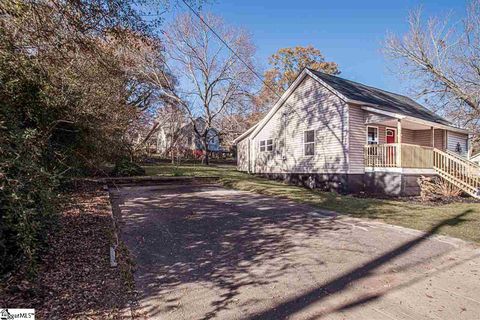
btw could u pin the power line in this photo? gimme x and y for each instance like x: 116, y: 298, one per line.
x: 231, y: 49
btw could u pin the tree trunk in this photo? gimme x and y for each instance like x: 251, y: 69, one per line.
x: 205, y: 143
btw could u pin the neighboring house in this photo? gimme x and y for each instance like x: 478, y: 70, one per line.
x: 187, y: 140
x: 332, y: 133
x: 475, y: 158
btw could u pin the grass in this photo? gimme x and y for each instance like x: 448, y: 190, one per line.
x: 416, y: 215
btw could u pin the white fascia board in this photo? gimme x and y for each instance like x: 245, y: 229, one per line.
x: 330, y: 88
x: 386, y: 113
x: 292, y: 88
x: 245, y: 134
x: 437, y: 125
x: 416, y: 120
x: 280, y: 102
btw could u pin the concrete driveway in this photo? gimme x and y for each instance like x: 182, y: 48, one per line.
x: 204, y: 252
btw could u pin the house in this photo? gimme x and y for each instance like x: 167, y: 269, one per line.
x: 475, y: 158
x: 332, y: 133
x: 186, y: 139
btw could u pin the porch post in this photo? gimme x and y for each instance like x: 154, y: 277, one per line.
x: 433, y: 136
x: 399, y: 143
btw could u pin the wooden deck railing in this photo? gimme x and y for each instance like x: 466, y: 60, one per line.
x: 381, y: 155
x: 463, y: 174
x: 414, y: 156
x: 387, y: 155
x: 453, y: 168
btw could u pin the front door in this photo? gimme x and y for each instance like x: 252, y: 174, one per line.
x: 391, y: 136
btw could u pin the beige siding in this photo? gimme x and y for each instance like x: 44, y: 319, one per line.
x: 423, y: 138
x: 454, y: 138
x: 242, y: 155
x: 439, y: 137
x: 408, y: 136
x: 358, y: 139
x: 357, y: 120
x: 310, y: 107
x: 340, y: 135
x: 417, y: 137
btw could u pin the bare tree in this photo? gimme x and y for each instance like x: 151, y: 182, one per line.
x: 441, y: 61
x: 171, y: 119
x: 212, y: 78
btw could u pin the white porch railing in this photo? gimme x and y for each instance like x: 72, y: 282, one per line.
x: 400, y: 155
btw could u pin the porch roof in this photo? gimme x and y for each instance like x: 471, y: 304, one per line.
x: 377, y: 116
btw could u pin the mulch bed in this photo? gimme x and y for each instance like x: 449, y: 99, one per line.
x: 419, y: 200
x: 75, y: 280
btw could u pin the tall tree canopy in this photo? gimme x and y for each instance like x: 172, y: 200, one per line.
x: 69, y: 102
x: 214, y: 80
x: 440, y: 61
x: 285, y: 65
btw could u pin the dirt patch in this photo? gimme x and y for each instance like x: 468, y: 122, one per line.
x: 75, y: 279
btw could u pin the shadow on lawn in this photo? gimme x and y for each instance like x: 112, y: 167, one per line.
x: 181, y: 238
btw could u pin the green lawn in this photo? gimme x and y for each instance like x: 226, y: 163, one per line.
x: 421, y: 216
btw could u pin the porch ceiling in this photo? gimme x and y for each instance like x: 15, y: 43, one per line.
x: 406, y: 124
x: 375, y: 116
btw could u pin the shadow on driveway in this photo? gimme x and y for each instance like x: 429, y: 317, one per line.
x: 204, y: 252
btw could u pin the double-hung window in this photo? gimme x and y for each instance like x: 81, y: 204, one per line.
x: 266, y: 145
x: 372, y: 135
x: 309, y: 142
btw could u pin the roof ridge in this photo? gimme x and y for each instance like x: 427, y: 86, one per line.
x: 400, y: 98
x: 362, y: 84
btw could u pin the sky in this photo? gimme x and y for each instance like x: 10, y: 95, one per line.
x: 347, y: 32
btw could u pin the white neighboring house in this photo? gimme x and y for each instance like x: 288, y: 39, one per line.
x: 332, y: 133
x: 475, y: 158
x: 187, y: 141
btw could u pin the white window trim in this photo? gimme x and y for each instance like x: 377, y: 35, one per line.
x: 386, y: 129
x: 266, y: 145
x: 378, y: 134
x: 314, y: 142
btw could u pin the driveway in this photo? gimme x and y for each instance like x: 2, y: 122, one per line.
x: 205, y: 252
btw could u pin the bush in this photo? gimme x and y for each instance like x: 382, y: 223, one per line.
x: 126, y: 168
x: 27, y: 184
x: 68, y: 103
x: 436, y: 188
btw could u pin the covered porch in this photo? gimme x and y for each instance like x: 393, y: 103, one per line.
x: 403, y: 142
x: 399, y: 150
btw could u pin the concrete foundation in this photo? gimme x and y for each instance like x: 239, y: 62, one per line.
x: 378, y: 182
x: 393, y: 183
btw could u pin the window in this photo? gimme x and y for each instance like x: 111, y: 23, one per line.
x: 309, y: 142
x: 372, y: 135
x: 266, y: 145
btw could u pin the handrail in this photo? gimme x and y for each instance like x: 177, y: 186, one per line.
x: 460, y: 173
x: 461, y: 158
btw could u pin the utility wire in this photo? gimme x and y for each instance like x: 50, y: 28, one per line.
x: 231, y: 49
x: 241, y: 59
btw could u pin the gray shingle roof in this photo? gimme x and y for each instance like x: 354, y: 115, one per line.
x: 384, y: 100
